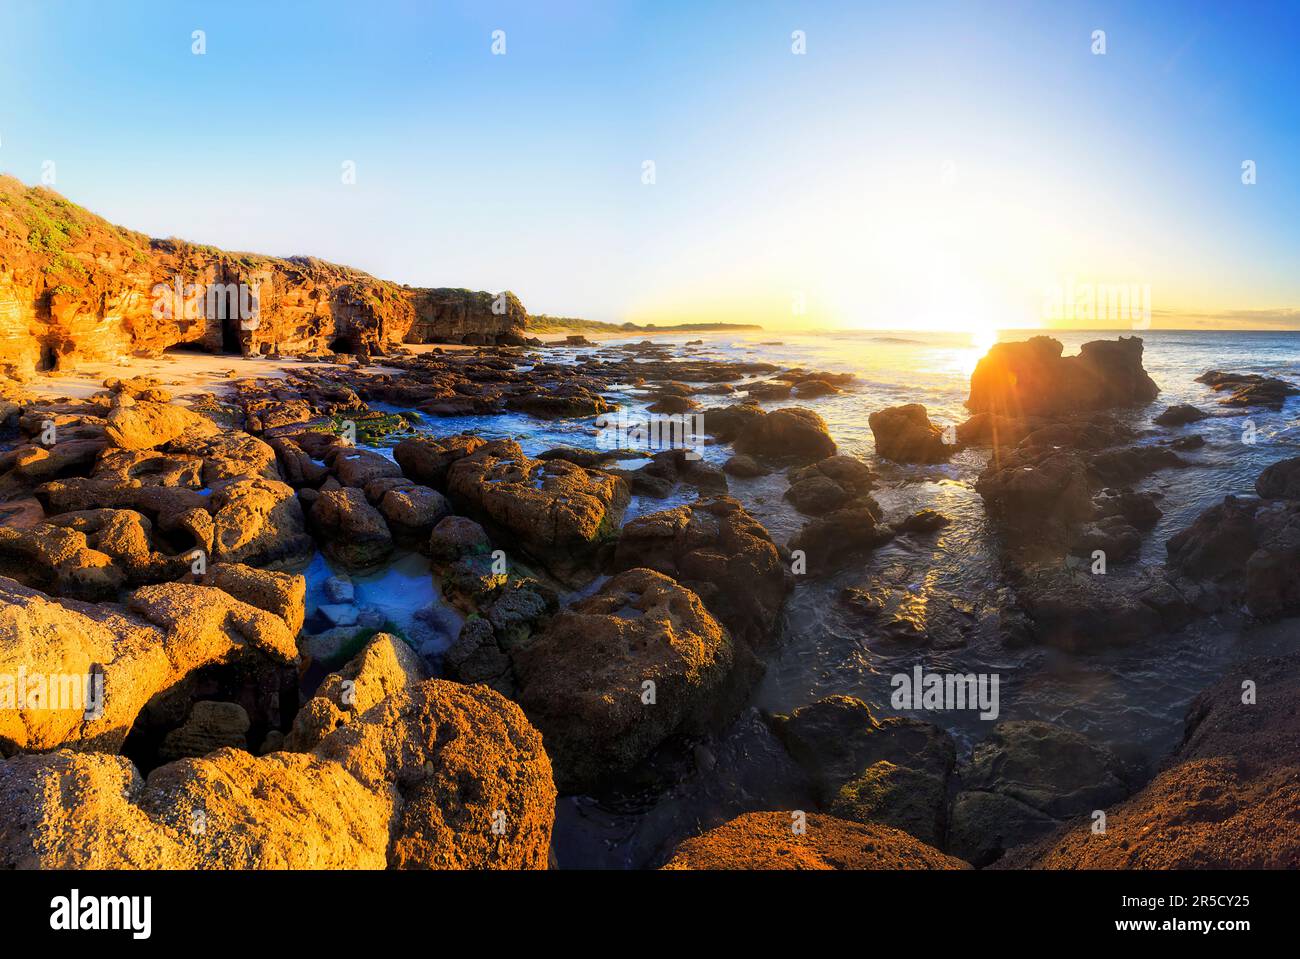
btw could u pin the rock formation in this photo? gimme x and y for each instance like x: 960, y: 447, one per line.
x: 74, y: 287
x: 1032, y: 378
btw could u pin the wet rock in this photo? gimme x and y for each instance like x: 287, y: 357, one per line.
x: 1186, y: 444
x: 1180, y: 415
x: 1249, y: 389
x: 1031, y: 377
x: 1281, y: 480
x: 673, y: 404
x: 743, y: 466
x: 811, y: 389
x: 908, y: 799
x: 582, y: 680
x: 353, y: 532
x: 1083, y: 611
x: 717, y: 549
x: 843, y: 532
x: 1139, y: 509
x: 906, y: 435
x: 556, y: 512
x: 1037, y: 496
x: 210, y: 726
x: 765, y: 840
x: 339, y: 614
x: 1113, y: 536
x: 923, y: 521
x: 426, y: 459
x: 790, y: 433
x: 837, y: 740
x: 340, y: 589
x: 829, y: 484
x: 1225, y: 799
x: 1038, y: 775
x: 1117, y: 467
x: 520, y: 610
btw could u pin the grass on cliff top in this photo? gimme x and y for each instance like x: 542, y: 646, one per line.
x: 54, y: 227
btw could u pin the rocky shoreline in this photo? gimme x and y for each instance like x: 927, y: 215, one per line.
x: 578, y: 648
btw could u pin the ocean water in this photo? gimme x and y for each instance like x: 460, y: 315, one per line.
x: 1133, y: 699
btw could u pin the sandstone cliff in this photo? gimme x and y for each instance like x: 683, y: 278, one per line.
x: 75, y: 287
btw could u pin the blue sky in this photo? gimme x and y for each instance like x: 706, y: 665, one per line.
x: 921, y: 163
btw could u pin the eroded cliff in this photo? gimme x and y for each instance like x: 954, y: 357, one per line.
x: 75, y: 287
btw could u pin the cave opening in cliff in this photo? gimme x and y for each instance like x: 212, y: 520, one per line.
x: 230, y: 338
x: 48, y: 361
x: 341, y: 344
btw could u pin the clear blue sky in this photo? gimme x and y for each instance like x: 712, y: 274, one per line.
x: 919, y: 156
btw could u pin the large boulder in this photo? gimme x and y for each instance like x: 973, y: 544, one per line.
x: 906, y: 435
x: 284, y: 594
x: 1031, y: 377
x: 259, y: 522
x: 144, y: 425
x: 717, y: 549
x: 426, y: 459
x: 352, y: 531
x: 1280, y: 480
x: 438, y: 776
x: 557, y: 512
x: 769, y: 840
x: 583, y: 680
x: 792, y: 433
x: 126, y: 655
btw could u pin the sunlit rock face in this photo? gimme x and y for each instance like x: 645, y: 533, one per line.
x: 1033, y: 378
x: 75, y: 288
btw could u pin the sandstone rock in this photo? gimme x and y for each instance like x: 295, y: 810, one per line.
x: 413, y: 511
x: 417, y: 781
x: 1032, y: 378
x: 357, y: 467
x: 353, y: 532
x: 717, y: 549
x: 582, y: 680
x: 283, y: 594
x: 906, y: 435
x: 210, y: 726
x: 557, y: 512
x: 1225, y: 799
x: 258, y: 522
x: 168, y: 631
x: 426, y: 460
x: 743, y: 466
x: 145, y: 425
x: 456, y: 537
x: 791, y: 433
x: 385, y: 666
x: 764, y: 840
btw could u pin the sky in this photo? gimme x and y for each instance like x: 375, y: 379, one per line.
x: 918, y: 166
